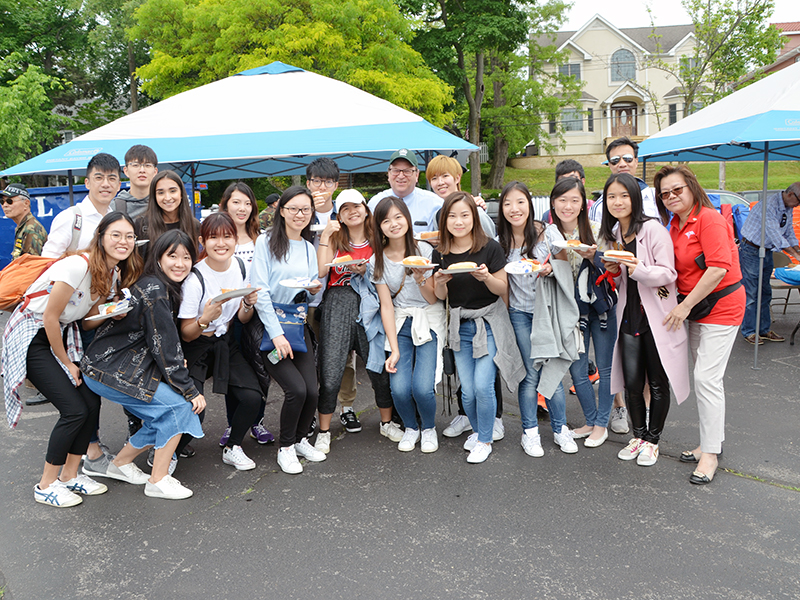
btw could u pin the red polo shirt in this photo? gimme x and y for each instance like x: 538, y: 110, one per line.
x: 708, y: 233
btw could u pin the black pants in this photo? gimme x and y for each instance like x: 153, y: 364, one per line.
x: 298, y: 379
x: 78, y: 407
x: 639, y: 356
x: 247, y: 403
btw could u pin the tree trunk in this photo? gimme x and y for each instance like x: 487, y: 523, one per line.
x: 500, y: 156
x: 475, y: 103
x: 134, y: 87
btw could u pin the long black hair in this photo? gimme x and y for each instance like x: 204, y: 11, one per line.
x: 638, y: 217
x: 533, y: 230
x: 379, y: 241
x: 151, y: 224
x: 278, y: 240
x: 561, y: 187
x: 166, y: 244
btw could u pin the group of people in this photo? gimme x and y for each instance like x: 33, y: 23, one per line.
x: 421, y: 285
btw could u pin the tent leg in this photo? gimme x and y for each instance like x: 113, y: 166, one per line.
x: 761, y: 254
x: 71, y: 191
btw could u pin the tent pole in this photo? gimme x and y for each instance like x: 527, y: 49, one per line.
x: 644, y: 170
x: 194, y: 188
x: 71, y: 192
x: 761, y: 254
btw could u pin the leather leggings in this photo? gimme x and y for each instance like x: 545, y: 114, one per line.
x: 639, y: 356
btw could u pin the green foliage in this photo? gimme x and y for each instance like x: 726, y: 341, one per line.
x: 360, y: 42
x: 733, y: 38
x: 27, y: 122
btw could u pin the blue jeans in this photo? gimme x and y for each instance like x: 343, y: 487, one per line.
x: 748, y: 260
x: 557, y: 405
x: 414, y: 384
x: 596, y: 412
x: 477, y: 381
x: 168, y: 414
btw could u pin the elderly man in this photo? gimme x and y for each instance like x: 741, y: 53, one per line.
x: 30, y: 236
x: 779, y: 236
x: 623, y: 157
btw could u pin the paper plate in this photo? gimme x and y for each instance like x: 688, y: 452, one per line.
x: 234, y: 294
x: 317, y: 227
x: 347, y: 263
x: 298, y: 283
x: 563, y: 245
x: 421, y: 267
x: 522, y: 267
x: 457, y: 271
x: 116, y: 313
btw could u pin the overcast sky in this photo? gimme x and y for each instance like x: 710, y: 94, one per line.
x: 633, y: 13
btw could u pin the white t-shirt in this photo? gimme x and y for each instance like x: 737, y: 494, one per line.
x: 422, y: 204
x: 192, y: 304
x: 74, y: 271
x: 60, y: 236
x: 245, y: 252
x: 394, y: 275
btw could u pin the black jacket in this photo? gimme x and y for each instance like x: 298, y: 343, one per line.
x: 133, y: 355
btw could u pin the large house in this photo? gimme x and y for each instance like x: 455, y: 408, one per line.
x: 788, y: 55
x: 621, y: 93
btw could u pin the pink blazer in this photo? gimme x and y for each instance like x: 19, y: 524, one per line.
x: 656, y: 277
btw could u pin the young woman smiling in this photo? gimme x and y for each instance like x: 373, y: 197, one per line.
x: 646, y: 350
x: 569, y: 214
x: 169, y: 208
x: 156, y: 387
x: 413, y: 319
x: 339, y: 330
x: 522, y: 236
x: 285, y: 252
x: 207, y: 332
x: 478, y: 317
x: 34, y: 346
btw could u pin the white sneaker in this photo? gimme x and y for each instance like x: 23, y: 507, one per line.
x: 237, y: 458
x: 632, y: 450
x: 498, y: 430
x: 409, y: 440
x: 565, y: 441
x: 471, y: 441
x: 287, y: 461
x: 619, y: 420
x: 168, y: 488
x: 457, y: 426
x: 323, y: 443
x: 392, y: 431
x: 129, y: 473
x: 532, y: 442
x: 430, y: 441
x: 56, y: 494
x: 479, y: 453
x: 83, y: 484
x: 307, y: 451
x: 648, y: 456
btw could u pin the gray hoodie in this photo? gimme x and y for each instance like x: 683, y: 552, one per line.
x: 135, y: 207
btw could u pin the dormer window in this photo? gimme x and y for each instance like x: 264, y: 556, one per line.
x: 623, y: 66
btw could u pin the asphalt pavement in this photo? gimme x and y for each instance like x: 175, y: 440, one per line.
x: 372, y: 522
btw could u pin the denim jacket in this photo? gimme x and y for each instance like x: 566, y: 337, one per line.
x: 133, y: 355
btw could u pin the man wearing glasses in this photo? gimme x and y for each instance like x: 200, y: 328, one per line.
x: 622, y: 155
x: 29, y: 236
x: 779, y: 236
x: 403, y: 176
x: 141, y: 165
x: 102, y: 183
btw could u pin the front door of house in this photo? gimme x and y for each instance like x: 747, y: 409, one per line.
x: 623, y: 119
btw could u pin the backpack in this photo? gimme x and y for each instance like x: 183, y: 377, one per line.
x: 18, y: 276
x: 197, y: 272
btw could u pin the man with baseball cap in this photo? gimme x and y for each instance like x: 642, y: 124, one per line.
x: 30, y: 236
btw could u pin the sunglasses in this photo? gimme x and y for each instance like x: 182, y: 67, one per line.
x: 8, y: 201
x: 628, y: 158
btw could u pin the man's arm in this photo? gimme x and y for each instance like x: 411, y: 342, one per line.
x: 60, y: 235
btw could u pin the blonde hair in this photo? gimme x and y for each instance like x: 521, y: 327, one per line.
x: 444, y: 164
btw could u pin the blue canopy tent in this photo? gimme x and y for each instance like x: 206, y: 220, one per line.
x: 759, y: 122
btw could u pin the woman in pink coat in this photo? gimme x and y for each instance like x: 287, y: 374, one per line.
x: 645, y: 349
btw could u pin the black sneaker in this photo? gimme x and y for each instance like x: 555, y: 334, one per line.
x: 313, y: 428
x: 350, y: 421
x: 187, y: 452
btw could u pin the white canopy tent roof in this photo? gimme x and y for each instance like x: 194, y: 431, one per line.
x: 272, y: 120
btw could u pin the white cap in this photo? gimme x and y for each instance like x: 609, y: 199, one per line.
x: 349, y: 197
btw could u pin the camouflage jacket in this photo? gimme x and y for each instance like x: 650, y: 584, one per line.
x: 29, y: 237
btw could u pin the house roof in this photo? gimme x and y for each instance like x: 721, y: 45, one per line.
x: 788, y: 27
x: 670, y: 35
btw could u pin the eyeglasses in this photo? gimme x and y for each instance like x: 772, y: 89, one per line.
x: 406, y: 172
x: 293, y: 210
x: 116, y: 236
x: 100, y: 178
x: 628, y: 158
x: 8, y: 201
x: 136, y: 166
x: 665, y: 195
x: 329, y: 183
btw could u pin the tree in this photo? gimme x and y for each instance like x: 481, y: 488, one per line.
x: 732, y: 38
x: 27, y: 121
x: 479, y: 47
x: 360, y: 42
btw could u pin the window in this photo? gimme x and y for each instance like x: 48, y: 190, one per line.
x: 552, y: 124
x: 572, y: 119
x: 673, y: 114
x: 623, y: 66
x: 690, y: 109
x: 570, y: 71
x: 590, y: 119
